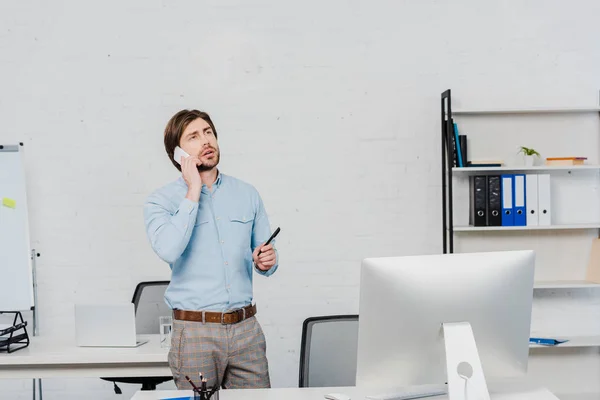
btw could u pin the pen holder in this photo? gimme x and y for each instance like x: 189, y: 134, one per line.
x: 210, y: 393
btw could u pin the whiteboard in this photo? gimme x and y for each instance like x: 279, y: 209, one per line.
x: 16, y: 279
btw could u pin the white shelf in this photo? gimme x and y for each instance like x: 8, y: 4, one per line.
x: 565, y: 285
x: 536, y: 169
x: 525, y: 228
x: 579, y: 110
x: 574, y: 341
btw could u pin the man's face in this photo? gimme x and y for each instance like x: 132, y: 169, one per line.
x: 199, y: 139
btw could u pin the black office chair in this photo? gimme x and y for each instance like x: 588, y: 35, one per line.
x: 148, y: 299
x: 328, y: 351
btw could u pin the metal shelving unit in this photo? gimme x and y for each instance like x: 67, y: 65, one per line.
x: 449, y: 170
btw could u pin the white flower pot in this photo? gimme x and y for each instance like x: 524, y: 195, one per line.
x: 529, y: 161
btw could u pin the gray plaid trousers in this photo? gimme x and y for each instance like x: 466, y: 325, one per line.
x: 232, y: 356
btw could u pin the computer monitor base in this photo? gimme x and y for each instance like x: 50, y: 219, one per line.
x: 466, y: 380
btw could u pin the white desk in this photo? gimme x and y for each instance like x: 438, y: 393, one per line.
x: 54, y: 358
x: 511, y: 391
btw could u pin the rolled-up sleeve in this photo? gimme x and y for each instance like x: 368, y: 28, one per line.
x: 261, y: 231
x: 169, y: 232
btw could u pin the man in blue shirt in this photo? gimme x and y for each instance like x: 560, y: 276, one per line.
x: 211, y: 229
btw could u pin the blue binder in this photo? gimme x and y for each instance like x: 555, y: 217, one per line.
x: 508, y: 200
x: 546, y: 341
x: 519, y: 200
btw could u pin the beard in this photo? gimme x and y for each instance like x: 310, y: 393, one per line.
x: 210, y: 164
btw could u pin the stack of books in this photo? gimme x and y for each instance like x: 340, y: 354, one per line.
x: 559, y: 161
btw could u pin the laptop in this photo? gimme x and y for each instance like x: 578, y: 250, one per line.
x: 106, y: 325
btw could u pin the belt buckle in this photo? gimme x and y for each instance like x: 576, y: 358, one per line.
x: 237, y: 312
x: 224, y: 314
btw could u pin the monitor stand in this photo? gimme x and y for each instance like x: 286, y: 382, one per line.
x: 466, y: 380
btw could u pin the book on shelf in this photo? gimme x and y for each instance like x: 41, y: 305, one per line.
x: 485, y: 163
x: 458, y: 144
x: 462, y: 141
x: 560, y: 161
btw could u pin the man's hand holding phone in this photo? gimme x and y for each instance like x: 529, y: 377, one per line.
x: 189, y: 171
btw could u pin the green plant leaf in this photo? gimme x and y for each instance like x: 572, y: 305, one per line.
x: 528, y: 151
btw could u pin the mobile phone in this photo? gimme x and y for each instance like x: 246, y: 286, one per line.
x: 178, y: 154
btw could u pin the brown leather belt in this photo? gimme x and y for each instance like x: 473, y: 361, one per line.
x: 227, y: 318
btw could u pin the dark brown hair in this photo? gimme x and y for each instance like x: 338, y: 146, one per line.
x: 177, y: 125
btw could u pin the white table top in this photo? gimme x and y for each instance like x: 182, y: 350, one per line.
x: 53, y: 350
x: 53, y: 357
x: 512, y: 391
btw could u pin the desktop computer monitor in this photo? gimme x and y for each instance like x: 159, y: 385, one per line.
x: 404, y: 302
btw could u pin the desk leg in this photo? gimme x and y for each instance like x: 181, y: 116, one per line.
x: 39, y: 388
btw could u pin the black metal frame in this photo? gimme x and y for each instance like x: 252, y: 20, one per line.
x: 447, y: 163
x: 20, y: 340
x: 305, y: 341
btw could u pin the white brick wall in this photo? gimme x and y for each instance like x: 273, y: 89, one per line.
x: 331, y: 109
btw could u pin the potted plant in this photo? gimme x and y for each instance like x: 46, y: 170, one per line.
x: 529, y: 155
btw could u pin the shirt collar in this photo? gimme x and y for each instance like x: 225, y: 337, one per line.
x: 217, y: 183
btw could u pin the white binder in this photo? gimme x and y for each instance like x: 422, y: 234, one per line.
x: 531, y: 193
x: 544, y: 204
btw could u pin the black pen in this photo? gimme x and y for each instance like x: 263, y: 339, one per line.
x: 270, y: 239
x: 204, y: 392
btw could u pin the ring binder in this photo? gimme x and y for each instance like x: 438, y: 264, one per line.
x: 10, y: 338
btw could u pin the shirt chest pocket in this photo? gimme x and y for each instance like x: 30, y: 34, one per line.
x: 241, y: 228
x: 200, y: 221
x: 202, y: 227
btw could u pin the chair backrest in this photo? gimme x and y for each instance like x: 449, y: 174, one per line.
x: 328, y: 351
x: 149, y: 301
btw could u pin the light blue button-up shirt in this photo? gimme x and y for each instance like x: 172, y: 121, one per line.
x: 208, y: 244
